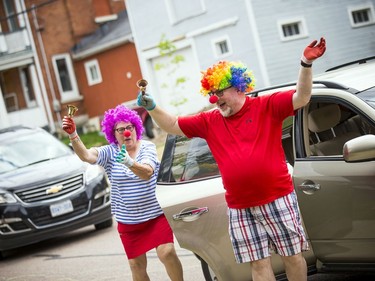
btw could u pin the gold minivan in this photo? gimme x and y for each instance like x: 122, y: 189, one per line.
x: 330, y: 147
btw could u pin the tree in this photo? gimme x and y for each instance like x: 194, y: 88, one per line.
x: 168, y: 49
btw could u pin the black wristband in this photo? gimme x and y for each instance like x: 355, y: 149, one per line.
x: 305, y: 64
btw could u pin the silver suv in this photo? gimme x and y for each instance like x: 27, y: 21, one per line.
x: 330, y: 147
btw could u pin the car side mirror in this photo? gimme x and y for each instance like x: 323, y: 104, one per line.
x: 360, y: 149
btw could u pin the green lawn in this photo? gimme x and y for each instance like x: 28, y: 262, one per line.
x: 97, y: 139
x: 89, y: 139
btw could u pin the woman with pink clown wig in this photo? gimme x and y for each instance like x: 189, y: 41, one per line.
x: 132, y: 168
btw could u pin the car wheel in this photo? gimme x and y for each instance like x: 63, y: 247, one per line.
x: 208, y: 273
x: 104, y: 224
x: 149, y: 128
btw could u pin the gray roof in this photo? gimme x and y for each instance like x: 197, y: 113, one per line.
x: 107, y: 36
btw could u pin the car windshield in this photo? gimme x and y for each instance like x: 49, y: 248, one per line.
x: 368, y: 96
x: 29, y: 149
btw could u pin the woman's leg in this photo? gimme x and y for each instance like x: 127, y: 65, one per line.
x: 168, y: 256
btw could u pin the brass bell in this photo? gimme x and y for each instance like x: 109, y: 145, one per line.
x: 141, y: 84
x: 71, y: 110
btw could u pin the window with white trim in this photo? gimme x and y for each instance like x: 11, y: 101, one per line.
x: 93, y: 73
x: 179, y: 10
x: 11, y: 14
x: 65, y: 77
x: 222, y: 47
x: 361, y: 15
x: 291, y: 29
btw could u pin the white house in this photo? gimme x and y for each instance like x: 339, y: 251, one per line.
x: 268, y: 36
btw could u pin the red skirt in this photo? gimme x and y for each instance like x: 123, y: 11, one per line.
x: 138, y: 239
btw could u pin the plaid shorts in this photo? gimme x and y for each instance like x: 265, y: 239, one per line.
x: 274, y: 226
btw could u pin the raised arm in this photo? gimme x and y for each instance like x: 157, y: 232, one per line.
x: 165, y: 120
x: 86, y: 155
x: 304, y: 83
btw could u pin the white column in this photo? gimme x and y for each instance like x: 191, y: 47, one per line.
x: 39, y: 74
x: 4, y: 120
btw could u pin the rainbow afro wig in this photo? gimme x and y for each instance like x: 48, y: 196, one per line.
x: 120, y: 114
x: 226, y: 74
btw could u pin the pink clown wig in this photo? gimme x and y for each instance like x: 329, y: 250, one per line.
x: 226, y: 74
x: 120, y: 114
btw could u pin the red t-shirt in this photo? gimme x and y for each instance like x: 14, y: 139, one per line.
x: 247, y: 148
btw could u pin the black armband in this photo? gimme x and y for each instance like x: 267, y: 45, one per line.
x: 305, y: 64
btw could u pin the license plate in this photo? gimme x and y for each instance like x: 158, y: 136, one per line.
x: 61, y: 208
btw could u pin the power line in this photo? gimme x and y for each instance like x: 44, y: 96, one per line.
x: 28, y: 10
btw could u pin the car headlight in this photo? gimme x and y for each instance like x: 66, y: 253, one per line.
x: 6, y: 197
x: 92, y: 172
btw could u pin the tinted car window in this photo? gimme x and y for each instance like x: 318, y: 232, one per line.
x: 368, y: 96
x: 191, y: 160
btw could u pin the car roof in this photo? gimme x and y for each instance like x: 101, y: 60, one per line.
x: 355, y: 76
x: 359, y: 75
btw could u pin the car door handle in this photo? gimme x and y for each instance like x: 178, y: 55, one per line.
x: 309, y: 187
x: 190, y: 214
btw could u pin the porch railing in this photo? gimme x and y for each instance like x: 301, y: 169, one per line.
x: 13, y: 42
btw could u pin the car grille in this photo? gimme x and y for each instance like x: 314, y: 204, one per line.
x: 52, y: 190
x: 42, y: 217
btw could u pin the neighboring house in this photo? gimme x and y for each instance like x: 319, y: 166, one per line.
x: 59, y: 52
x: 23, y: 98
x: 269, y: 36
x: 107, y: 67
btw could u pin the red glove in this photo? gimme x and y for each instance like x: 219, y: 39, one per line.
x: 69, y: 126
x: 314, y: 51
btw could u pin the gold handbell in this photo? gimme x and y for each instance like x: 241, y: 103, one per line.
x: 141, y: 84
x: 71, y: 110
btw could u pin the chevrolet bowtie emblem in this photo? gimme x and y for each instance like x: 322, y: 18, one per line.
x: 54, y: 189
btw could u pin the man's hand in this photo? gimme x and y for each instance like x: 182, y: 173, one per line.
x: 69, y: 126
x: 124, y: 158
x: 146, y: 100
x: 313, y: 51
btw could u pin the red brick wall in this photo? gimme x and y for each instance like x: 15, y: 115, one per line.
x: 82, y: 17
x: 115, y: 88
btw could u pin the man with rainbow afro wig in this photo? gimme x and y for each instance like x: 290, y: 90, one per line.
x: 244, y: 135
x: 132, y: 168
x: 225, y: 75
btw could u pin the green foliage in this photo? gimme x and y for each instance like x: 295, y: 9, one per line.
x: 180, y: 80
x: 288, y: 122
x: 159, y: 66
x: 167, y: 48
x: 90, y: 139
x: 177, y: 59
x: 179, y: 101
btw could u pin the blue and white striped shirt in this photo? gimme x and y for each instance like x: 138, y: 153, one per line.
x: 133, y: 200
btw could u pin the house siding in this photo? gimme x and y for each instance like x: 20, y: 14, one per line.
x: 280, y: 59
x: 329, y: 19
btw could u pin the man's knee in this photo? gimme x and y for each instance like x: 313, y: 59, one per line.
x: 262, y: 264
x: 262, y: 269
x: 295, y: 267
x: 295, y: 260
